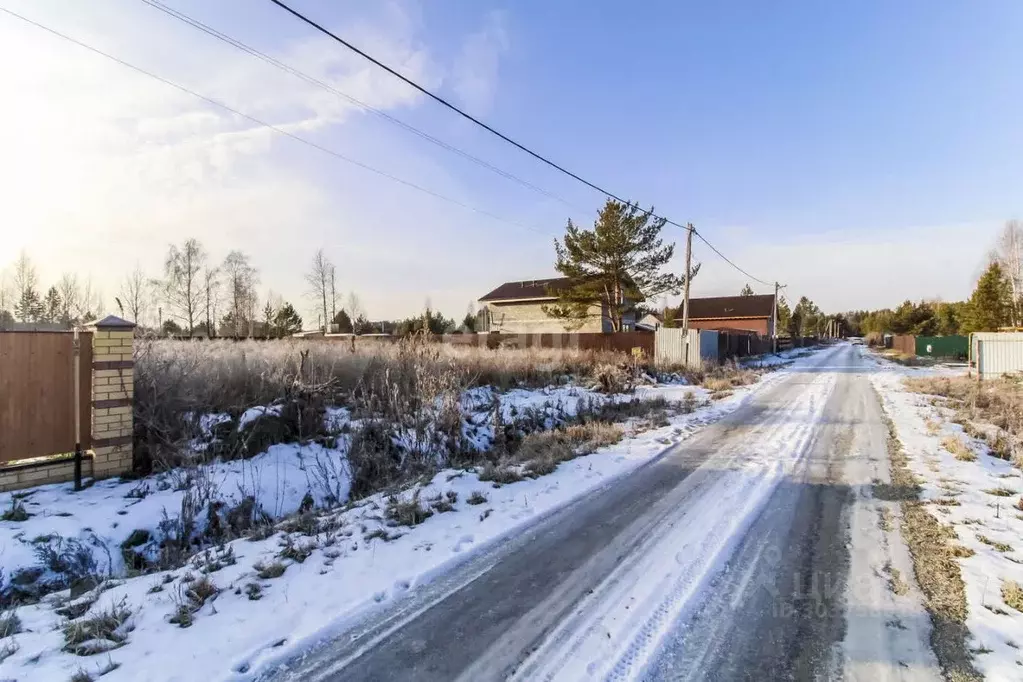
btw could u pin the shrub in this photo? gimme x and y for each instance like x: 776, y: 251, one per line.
x: 479, y: 497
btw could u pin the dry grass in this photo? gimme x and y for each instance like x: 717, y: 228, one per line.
x: 933, y: 427
x: 107, y: 626
x: 959, y: 449
x: 936, y: 568
x: 996, y: 404
x: 221, y: 375
x: 1012, y: 594
x: 1000, y: 546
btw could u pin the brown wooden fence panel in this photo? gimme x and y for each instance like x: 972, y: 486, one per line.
x: 37, y: 399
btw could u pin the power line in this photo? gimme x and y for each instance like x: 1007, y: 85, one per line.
x: 726, y: 259
x: 270, y: 126
x: 444, y: 102
x: 448, y: 104
x: 223, y: 37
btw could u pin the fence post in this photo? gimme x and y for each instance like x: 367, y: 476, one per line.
x: 113, y: 391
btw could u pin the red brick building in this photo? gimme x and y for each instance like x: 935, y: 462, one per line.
x: 745, y: 313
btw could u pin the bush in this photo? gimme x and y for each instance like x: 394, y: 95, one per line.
x: 16, y: 512
x: 480, y: 497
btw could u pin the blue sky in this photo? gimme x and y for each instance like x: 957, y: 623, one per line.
x: 861, y: 152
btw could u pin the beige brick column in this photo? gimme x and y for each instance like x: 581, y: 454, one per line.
x: 113, y: 391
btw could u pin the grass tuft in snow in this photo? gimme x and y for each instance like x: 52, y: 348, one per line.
x: 81, y: 675
x: 1012, y: 594
x: 10, y: 624
x: 407, y: 512
x: 16, y: 512
x: 253, y: 591
x: 268, y: 570
x: 1000, y: 492
x: 477, y: 497
x: 296, y: 551
x: 108, y: 629
x: 959, y: 449
x: 499, y: 474
x: 1000, y: 546
x: 8, y: 649
x: 936, y: 568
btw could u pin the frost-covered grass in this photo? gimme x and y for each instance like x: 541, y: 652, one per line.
x: 968, y: 546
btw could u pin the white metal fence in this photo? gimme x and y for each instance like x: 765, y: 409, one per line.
x: 996, y: 353
x: 670, y: 347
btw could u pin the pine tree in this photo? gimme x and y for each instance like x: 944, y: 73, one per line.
x: 343, y: 322
x: 784, y: 315
x: 29, y: 307
x: 287, y: 321
x: 747, y: 290
x: 990, y: 305
x: 616, y: 265
x: 269, y: 317
x: 52, y: 306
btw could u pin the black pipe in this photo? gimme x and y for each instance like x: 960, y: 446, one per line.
x: 78, y: 466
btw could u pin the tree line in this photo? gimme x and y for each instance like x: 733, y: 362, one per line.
x: 69, y: 301
x: 996, y: 302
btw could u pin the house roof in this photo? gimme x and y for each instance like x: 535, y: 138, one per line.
x: 731, y: 307
x: 527, y: 289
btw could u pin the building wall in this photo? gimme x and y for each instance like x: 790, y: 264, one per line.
x: 529, y: 318
x: 760, y: 325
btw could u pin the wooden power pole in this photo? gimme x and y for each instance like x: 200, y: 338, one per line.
x: 774, y: 320
x: 685, y: 294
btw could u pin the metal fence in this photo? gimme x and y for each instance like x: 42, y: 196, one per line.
x: 995, y: 354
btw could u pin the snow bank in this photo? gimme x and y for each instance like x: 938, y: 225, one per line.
x: 961, y: 496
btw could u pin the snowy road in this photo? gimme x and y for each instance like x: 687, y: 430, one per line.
x: 727, y: 558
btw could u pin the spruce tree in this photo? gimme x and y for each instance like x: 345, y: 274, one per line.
x: 287, y: 321
x: 991, y: 303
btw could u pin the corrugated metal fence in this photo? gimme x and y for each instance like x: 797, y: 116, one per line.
x: 994, y: 354
x: 670, y: 347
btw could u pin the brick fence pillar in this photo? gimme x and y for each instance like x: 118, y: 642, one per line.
x: 113, y: 392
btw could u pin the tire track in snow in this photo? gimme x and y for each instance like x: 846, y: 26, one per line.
x: 613, y: 633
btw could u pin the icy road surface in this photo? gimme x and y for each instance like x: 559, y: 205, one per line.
x: 751, y: 551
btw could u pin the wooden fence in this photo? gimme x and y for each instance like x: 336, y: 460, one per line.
x: 37, y: 393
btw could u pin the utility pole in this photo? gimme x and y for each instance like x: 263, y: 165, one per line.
x: 774, y: 320
x: 685, y: 294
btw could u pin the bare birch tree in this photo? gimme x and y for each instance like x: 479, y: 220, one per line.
x: 183, y: 283
x: 1009, y: 253
x: 240, y: 278
x: 333, y: 296
x: 319, y: 280
x: 211, y: 287
x: 135, y: 295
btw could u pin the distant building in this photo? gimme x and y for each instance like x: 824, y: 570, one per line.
x: 744, y: 313
x: 517, y: 308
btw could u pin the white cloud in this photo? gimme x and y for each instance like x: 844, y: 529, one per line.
x: 476, y: 70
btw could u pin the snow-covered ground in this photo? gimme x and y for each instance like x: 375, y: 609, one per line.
x: 962, y: 495
x: 352, y: 560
